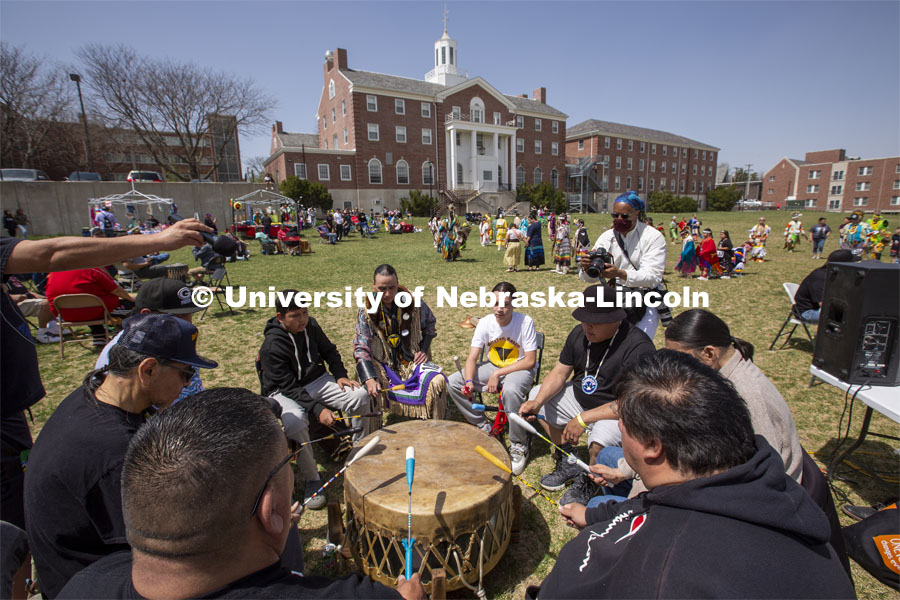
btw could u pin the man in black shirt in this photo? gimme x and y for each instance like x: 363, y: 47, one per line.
x: 808, y: 298
x: 72, y: 486
x: 818, y: 233
x: 206, y: 494
x: 596, y: 351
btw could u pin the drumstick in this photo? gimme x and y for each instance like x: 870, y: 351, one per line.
x: 399, y: 386
x: 362, y: 452
x: 530, y: 428
x: 370, y: 414
x: 499, y: 464
x: 409, y: 541
x: 458, y: 366
x: 341, y: 433
x: 483, y: 408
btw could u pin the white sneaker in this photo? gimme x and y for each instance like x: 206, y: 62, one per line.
x: 725, y: 277
x: 485, y: 427
x: 43, y: 336
x: 53, y: 328
x: 518, y: 454
x: 702, y: 279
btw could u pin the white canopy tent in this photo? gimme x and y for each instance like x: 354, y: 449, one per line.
x: 260, y: 198
x: 132, y: 199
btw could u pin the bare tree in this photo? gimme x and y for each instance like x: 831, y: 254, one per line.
x: 175, y: 109
x: 34, y: 98
x: 256, y: 167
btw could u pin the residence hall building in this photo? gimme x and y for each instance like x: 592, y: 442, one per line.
x: 620, y: 157
x: 830, y: 180
x: 381, y: 136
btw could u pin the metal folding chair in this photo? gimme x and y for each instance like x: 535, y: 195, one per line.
x: 215, y: 281
x: 68, y: 301
x: 793, y: 318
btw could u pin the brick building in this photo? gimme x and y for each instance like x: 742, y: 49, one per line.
x: 607, y: 159
x: 380, y: 136
x: 829, y: 180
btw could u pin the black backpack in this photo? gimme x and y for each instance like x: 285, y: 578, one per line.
x: 874, y: 543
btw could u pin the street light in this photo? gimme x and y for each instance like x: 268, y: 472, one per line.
x: 87, y: 140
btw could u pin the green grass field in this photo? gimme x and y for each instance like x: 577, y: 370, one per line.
x: 753, y: 306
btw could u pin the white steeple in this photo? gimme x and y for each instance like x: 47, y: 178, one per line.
x: 445, y: 71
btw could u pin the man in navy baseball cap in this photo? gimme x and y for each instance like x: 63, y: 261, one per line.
x: 72, y: 488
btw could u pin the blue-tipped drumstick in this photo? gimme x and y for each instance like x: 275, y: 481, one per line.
x: 514, y: 418
x: 409, y: 541
x: 483, y: 408
x: 362, y: 452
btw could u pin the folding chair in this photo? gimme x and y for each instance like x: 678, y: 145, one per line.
x: 500, y: 420
x: 68, y: 301
x: 793, y: 318
x: 126, y: 278
x: 218, y: 275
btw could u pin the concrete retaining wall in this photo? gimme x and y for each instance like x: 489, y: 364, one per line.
x: 61, y: 208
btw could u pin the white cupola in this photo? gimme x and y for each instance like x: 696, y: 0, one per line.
x: 445, y: 71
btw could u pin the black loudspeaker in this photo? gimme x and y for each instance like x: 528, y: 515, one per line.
x: 857, y: 341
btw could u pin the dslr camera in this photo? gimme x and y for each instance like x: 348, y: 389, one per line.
x: 601, y: 259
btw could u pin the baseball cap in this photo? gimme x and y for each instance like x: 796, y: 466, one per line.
x: 166, y: 296
x: 164, y: 337
x: 594, y: 312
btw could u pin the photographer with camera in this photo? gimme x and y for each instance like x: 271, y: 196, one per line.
x: 631, y: 255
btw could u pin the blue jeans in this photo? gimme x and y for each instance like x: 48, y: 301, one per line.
x: 609, y: 457
x: 818, y: 246
x: 810, y: 316
x: 161, y: 257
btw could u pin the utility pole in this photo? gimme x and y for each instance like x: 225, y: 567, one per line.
x: 87, y: 140
x: 747, y: 187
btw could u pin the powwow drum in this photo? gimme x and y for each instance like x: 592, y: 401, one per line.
x: 177, y: 271
x: 462, y: 508
x: 304, y: 247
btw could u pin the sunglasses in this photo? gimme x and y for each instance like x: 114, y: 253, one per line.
x: 622, y: 216
x: 186, y: 373
x: 293, y: 455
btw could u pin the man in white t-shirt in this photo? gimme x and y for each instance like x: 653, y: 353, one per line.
x: 511, y: 343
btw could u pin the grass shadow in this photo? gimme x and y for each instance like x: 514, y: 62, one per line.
x: 856, y: 471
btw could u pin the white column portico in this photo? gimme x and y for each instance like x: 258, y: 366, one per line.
x: 474, y: 166
x: 512, y: 161
x: 451, y: 168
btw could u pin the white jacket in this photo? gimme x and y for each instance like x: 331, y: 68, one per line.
x: 647, y: 248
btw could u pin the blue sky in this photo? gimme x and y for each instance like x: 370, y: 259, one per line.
x: 760, y: 80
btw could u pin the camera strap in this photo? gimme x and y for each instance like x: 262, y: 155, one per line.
x: 621, y: 241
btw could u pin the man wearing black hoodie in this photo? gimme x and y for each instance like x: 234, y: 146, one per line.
x: 291, y: 368
x: 720, y: 520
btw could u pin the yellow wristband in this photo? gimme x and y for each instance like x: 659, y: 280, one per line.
x: 581, y: 421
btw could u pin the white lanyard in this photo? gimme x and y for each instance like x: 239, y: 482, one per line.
x: 587, y: 360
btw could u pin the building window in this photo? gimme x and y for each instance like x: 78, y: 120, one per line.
x: 628, y: 163
x: 630, y: 145
x: 652, y: 148
x: 618, y: 182
x: 652, y: 184
x: 457, y: 113
x: 653, y: 166
x: 324, y: 173
x: 606, y: 142
x: 343, y: 107
x: 581, y: 144
x: 346, y: 137
x: 643, y: 147
x: 836, y: 176
x: 895, y: 200
x: 897, y: 184
x: 400, y: 106
x: 554, y: 148
x: 696, y: 154
x: 701, y: 187
x: 554, y: 127
x: 683, y: 154
x: 443, y: 55
x: 451, y: 55
x: 628, y: 182
x: 770, y: 191
x: 554, y: 178
x: 487, y: 175
x: 428, y: 173
x: 400, y: 134
x: 458, y: 138
x: 426, y: 109
x: 334, y: 143
x: 373, y: 132
x: 662, y: 183
x: 809, y: 203
x: 331, y: 89
x: 683, y: 168
x: 703, y: 170
x: 693, y: 186
x: 618, y: 162
x: 860, y: 201
x: 345, y: 173
x: 538, y: 175
x: 771, y: 178
x: 837, y: 190
x: 333, y: 116
x: 498, y: 119
x: 704, y: 158
x: 520, y: 175
x: 640, y: 166
x: 618, y: 143
x: 662, y: 166
x: 640, y: 184
x: 682, y: 186
x: 898, y: 169
x: 426, y: 137
x: 537, y: 124
x: 865, y: 171
x: 326, y: 144
x: 300, y: 170
x: 520, y: 145
x: 694, y: 169
x: 402, y: 172
x: 815, y: 174
x: 862, y: 186
x: 665, y: 150
x: 372, y: 103
x: 324, y: 122
x: 520, y: 122
x: 812, y: 189
x: 476, y: 108
x: 672, y: 187
x: 834, y: 205
x: 537, y: 146
x: 375, y: 171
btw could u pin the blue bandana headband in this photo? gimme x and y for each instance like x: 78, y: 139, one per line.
x: 633, y: 200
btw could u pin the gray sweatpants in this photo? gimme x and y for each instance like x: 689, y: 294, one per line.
x: 563, y: 407
x: 515, y: 389
x: 296, y: 421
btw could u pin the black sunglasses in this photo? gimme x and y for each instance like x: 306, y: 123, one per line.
x: 186, y: 373
x: 272, y: 474
x: 621, y: 216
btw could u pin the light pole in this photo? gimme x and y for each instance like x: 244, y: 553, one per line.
x: 87, y: 140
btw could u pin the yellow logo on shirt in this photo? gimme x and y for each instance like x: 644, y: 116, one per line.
x: 503, y: 352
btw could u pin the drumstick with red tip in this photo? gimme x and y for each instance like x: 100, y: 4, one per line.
x: 362, y: 452
x: 409, y: 541
x: 514, y: 418
x: 500, y: 465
